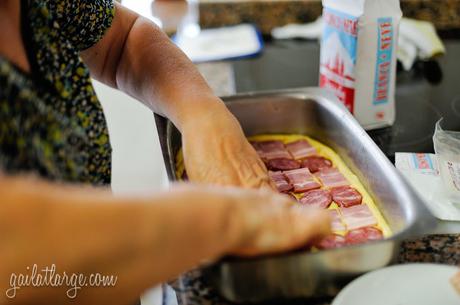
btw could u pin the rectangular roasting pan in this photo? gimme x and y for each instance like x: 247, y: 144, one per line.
x: 302, y: 274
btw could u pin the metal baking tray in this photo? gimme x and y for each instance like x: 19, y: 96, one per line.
x: 302, y: 274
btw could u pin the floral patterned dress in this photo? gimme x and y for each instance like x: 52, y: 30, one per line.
x: 51, y: 121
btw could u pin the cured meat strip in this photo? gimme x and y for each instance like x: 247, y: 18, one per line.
x: 302, y: 180
x: 336, y: 221
x: 358, y: 216
x: 300, y: 149
x: 363, y: 235
x: 280, y: 181
x: 269, y: 150
x: 316, y: 163
x: 346, y: 196
x: 331, y: 177
x: 321, y: 199
x: 282, y: 164
x: 270, y: 145
x: 331, y: 242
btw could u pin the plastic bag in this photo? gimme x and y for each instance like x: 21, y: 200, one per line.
x: 447, y: 148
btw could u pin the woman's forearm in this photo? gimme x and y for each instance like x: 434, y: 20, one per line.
x: 141, y: 241
x: 136, y: 57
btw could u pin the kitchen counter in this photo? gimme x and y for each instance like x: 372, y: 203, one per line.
x: 294, y: 64
x: 267, y: 14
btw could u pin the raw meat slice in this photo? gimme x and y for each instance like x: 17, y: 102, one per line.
x: 331, y: 177
x: 346, y: 196
x: 363, y: 235
x: 280, y: 181
x: 321, y: 199
x: 300, y: 149
x: 269, y: 145
x: 316, y: 163
x: 302, y: 180
x: 336, y: 221
x: 269, y: 150
x: 358, y: 216
x: 331, y: 242
x: 282, y: 164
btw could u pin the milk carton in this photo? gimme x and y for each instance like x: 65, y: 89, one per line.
x: 358, y: 57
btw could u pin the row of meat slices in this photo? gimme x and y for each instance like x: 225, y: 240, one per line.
x: 302, y: 180
x: 359, y: 224
x: 296, y: 167
x: 336, y: 187
x: 344, y: 196
x: 353, y: 237
x: 270, y: 150
x: 346, y: 219
x: 299, y: 154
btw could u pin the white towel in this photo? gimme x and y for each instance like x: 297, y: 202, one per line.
x: 221, y: 43
x: 417, y: 39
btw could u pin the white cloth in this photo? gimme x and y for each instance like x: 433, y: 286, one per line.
x: 221, y: 43
x: 417, y: 39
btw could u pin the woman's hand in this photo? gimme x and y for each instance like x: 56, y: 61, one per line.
x: 252, y: 222
x: 272, y: 223
x: 217, y: 152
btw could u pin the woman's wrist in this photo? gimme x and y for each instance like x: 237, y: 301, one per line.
x: 205, y: 116
x: 217, y: 215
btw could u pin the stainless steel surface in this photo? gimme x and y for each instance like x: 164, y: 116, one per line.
x: 316, y: 113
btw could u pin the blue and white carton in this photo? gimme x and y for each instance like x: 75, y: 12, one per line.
x: 358, y: 57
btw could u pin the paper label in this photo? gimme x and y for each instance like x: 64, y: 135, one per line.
x: 338, y: 55
x: 419, y: 162
x: 383, y: 66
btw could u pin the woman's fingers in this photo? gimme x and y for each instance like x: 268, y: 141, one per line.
x: 260, y: 221
x: 279, y: 225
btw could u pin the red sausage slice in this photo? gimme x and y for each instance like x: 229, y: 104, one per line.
x: 317, y: 198
x: 316, y: 163
x: 331, y: 241
x: 282, y: 164
x: 346, y: 196
x: 363, y: 235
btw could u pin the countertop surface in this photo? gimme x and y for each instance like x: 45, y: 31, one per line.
x: 267, y: 14
x: 293, y: 64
